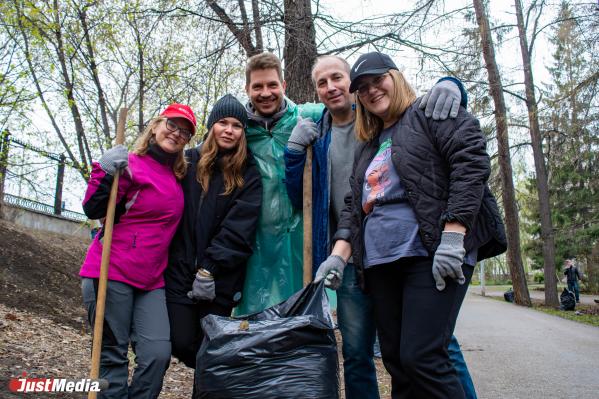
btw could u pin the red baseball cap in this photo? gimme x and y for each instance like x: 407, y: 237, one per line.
x: 176, y: 110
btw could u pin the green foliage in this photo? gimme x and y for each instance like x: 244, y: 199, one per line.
x: 570, y: 125
x: 538, y: 277
x: 585, y: 315
x: 79, y: 61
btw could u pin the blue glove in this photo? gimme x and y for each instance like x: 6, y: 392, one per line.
x: 442, y: 100
x: 203, y: 286
x: 449, y: 258
x: 303, y: 134
x: 114, y: 159
x: 332, y: 271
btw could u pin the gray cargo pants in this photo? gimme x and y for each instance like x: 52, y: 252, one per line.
x: 137, y: 316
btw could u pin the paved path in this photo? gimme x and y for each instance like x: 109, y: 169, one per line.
x: 535, y: 294
x: 515, y: 352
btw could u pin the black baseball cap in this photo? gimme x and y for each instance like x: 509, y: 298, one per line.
x: 374, y: 63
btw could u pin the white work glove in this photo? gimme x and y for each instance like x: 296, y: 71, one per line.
x: 449, y: 258
x: 203, y: 286
x: 332, y: 271
x: 114, y: 159
x: 303, y: 134
x: 442, y: 100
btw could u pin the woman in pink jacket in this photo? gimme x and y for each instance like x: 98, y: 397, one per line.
x: 149, y: 207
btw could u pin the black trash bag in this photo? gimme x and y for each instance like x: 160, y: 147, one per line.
x: 509, y: 295
x: 286, y: 351
x: 567, y: 300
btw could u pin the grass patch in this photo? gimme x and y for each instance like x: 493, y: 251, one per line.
x: 586, y: 314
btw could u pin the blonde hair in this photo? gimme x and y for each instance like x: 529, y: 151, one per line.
x: 231, y: 163
x: 368, y: 125
x: 143, y: 144
x: 263, y: 61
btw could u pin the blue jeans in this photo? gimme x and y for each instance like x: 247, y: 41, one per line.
x: 456, y: 357
x: 356, y: 322
x: 573, y: 286
x: 355, y: 317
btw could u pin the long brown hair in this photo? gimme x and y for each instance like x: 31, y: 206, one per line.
x: 368, y: 125
x: 143, y: 144
x: 231, y: 164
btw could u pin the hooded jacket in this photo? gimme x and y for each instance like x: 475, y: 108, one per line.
x: 149, y: 207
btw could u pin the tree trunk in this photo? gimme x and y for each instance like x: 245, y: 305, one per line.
x: 244, y: 35
x: 514, y: 257
x: 551, y: 298
x: 257, y: 26
x: 300, y: 50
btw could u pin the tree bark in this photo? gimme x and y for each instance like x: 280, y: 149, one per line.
x: 551, y: 298
x: 300, y: 50
x: 514, y: 256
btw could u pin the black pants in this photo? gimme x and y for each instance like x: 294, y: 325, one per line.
x: 415, y: 323
x: 186, y: 330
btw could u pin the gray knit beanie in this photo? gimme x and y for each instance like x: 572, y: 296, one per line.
x: 227, y: 106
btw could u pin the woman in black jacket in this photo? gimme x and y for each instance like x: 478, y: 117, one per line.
x: 208, y: 255
x: 418, y: 217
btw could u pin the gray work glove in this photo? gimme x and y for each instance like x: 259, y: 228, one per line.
x: 442, y: 100
x: 332, y: 271
x: 114, y: 159
x: 203, y: 286
x: 449, y: 258
x: 303, y: 134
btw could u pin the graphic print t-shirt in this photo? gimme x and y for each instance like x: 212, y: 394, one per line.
x: 391, y: 227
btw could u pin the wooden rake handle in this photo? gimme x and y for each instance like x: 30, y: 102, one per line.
x: 106, y: 246
x: 307, y: 213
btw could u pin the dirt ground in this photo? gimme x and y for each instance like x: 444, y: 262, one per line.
x: 43, y: 328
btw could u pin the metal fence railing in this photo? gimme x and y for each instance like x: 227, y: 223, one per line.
x: 43, y: 208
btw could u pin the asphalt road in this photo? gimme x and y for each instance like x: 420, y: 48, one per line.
x: 534, y: 294
x: 515, y: 352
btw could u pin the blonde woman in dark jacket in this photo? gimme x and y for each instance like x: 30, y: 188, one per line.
x: 418, y: 217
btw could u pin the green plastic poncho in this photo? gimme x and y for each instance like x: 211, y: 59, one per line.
x: 274, y: 271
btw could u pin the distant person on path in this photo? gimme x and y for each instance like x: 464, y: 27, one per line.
x: 572, y: 276
x: 418, y: 217
x: 149, y: 207
x: 333, y: 139
x: 208, y: 256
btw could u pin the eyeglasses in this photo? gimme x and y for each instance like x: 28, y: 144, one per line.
x: 375, y: 82
x: 171, y: 126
